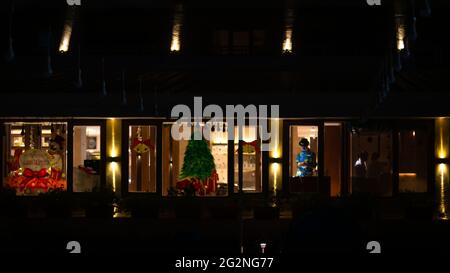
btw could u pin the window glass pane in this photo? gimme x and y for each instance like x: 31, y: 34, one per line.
x: 174, y: 153
x: 142, y: 158
x: 333, y: 157
x: 219, y: 150
x: 413, y: 161
x: 304, y: 148
x: 251, y: 160
x: 36, y: 157
x: 371, y: 165
x: 86, y: 158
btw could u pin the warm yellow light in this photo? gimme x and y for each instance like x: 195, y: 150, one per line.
x: 276, y: 174
x: 65, y: 39
x: 443, y: 173
x: 113, y: 167
x: 442, y: 140
x: 175, y: 44
x: 400, y: 44
x: 400, y: 34
x: 113, y: 152
x: 407, y: 174
x: 287, y: 41
x: 276, y: 153
x: 113, y: 144
x: 288, y: 30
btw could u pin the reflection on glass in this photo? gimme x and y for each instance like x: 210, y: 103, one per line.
x: 142, y: 158
x: 86, y: 158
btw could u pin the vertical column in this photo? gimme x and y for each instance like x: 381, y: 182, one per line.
x: 442, y: 130
x: 275, y: 157
x: 113, y: 153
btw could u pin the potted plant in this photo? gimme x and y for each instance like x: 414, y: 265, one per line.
x: 100, y: 203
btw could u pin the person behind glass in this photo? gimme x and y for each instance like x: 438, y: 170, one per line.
x: 361, y: 165
x: 306, y: 159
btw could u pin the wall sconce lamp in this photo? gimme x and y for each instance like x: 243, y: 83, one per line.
x: 113, y: 159
x: 442, y: 160
x: 275, y: 160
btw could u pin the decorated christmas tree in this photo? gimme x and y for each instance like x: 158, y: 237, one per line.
x: 198, y: 160
x: 198, y: 166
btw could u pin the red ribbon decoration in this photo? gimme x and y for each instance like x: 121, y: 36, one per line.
x: 29, y: 173
x: 35, y: 180
x: 146, y: 142
x: 254, y: 143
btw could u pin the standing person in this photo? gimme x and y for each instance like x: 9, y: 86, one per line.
x: 306, y: 159
x: 361, y: 165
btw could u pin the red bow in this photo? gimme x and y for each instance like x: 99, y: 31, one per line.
x: 147, y: 142
x: 254, y: 143
x: 29, y: 173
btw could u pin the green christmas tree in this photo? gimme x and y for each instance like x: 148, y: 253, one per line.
x: 198, y: 160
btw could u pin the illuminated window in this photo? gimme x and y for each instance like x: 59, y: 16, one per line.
x: 413, y: 161
x: 371, y: 162
x: 86, y: 158
x: 174, y: 153
x: 250, y: 163
x: 304, y: 150
x: 36, y: 157
x: 142, y: 158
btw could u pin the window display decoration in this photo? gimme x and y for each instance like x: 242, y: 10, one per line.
x: 198, y: 174
x: 250, y: 147
x: 55, y: 154
x: 37, y: 170
x: 141, y: 146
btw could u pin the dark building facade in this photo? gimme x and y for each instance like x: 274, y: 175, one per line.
x: 88, y: 93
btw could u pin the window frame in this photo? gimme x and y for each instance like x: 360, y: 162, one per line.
x: 126, y: 123
x: 287, y: 150
x: 86, y: 122
x: 25, y: 120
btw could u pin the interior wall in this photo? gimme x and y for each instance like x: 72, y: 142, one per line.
x: 333, y: 157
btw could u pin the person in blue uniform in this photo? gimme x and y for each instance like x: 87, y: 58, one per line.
x: 306, y: 159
